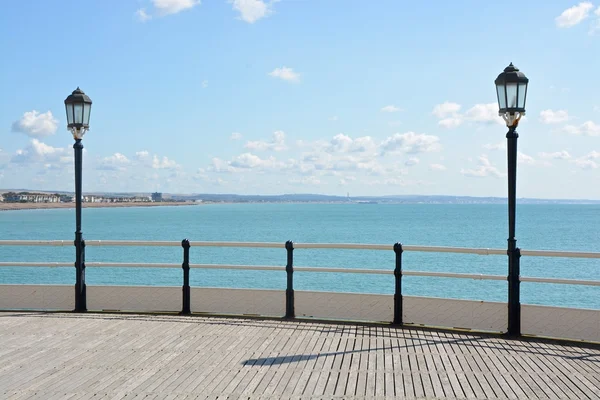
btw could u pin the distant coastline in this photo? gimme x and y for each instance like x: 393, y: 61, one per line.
x: 39, y: 206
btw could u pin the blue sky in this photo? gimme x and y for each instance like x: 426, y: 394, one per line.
x: 297, y: 96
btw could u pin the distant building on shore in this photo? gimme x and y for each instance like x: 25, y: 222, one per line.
x: 156, y: 196
x: 27, y: 197
x: 108, y: 199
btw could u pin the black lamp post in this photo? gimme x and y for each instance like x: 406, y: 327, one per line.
x: 511, y: 88
x: 78, y: 106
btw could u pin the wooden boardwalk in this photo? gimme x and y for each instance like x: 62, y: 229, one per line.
x: 85, y: 356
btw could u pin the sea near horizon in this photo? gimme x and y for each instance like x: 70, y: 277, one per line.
x: 539, y: 227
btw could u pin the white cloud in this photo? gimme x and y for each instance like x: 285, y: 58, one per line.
x: 484, y: 169
x: 38, y: 152
x: 446, y: 109
x: 251, y: 161
x: 334, y: 118
x: 390, y: 109
x: 309, y: 180
x: 557, y: 155
x: 495, y: 146
x: 163, y: 163
x: 204, y: 84
x: 253, y: 10
x: 586, y: 164
x: 244, y: 162
x: 437, y: 167
x: 142, y: 15
x: 116, y: 158
x: 341, y: 143
x: 554, y: 117
x: 588, y: 161
x: 285, y: 73
x: 588, y: 128
x: 574, y: 15
x: 395, y: 182
x: 411, y: 161
x: 235, y: 136
x: 523, y: 158
x: 347, y: 180
x: 592, y: 155
x: 218, y: 165
x: 411, y: 143
x: 35, y: 124
x: 341, y: 160
x: 451, y: 122
x: 140, y: 155
x: 277, y: 143
x: 166, y: 7
x: 450, y: 117
x: 116, y: 162
x: 486, y: 113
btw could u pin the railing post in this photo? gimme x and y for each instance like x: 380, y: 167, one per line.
x: 186, y: 277
x: 289, y: 291
x: 398, y: 290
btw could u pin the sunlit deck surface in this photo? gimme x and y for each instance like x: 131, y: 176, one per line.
x: 84, y: 356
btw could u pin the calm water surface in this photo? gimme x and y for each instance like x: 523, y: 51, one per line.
x: 540, y: 227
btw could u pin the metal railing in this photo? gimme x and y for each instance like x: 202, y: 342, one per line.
x: 290, y: 268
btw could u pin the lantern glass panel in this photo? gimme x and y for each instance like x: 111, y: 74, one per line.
x: 511, y: 95
x: 501, y: 96
x: 522, y: 94
x: 69, y: 108
x: 78, y: 113
x: 87, y: 108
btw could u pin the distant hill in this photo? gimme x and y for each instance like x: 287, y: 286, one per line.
x: 391, y: 199
x: 320, y: 198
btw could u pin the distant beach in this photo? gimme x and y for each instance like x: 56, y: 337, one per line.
x: 36, y: 206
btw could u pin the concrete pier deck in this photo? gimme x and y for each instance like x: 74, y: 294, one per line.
x: 116, y: 356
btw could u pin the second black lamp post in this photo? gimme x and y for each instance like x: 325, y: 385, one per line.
x: 511, y: 88
x: 78, y: 106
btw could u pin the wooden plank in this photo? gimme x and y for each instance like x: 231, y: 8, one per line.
x: 396, y: 340
x: 433, y: 367
x: 558, y: 360
x: 341, y: 388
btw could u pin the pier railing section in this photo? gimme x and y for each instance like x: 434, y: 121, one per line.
x: 536, y: 320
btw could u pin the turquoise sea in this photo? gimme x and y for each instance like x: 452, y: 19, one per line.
x: 539, y: 227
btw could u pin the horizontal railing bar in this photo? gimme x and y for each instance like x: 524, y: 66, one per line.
x: 345, y: 270
x: 355, y: 246
x: 463, y: 250
x: 36, y: 264
x: 155, y: 243
x: 272, y: 245
x: 235, y: 266
x: 567, y: 254
x: 455, y: 275
x: 131, y: 265
x: 178, y: 244
x: 36, y: 243
x: 561, y: 281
